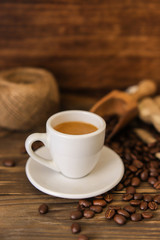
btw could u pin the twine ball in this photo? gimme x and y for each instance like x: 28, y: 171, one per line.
x: 28, y: 96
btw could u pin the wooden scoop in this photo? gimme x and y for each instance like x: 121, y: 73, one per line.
x: 122, y: 104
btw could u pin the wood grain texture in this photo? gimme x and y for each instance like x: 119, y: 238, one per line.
x: 87, y: 45
x: 19, y: 203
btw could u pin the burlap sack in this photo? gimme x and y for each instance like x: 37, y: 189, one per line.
x: 28, y: 96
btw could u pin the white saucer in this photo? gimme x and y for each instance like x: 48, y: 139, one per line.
x: 107, y: 174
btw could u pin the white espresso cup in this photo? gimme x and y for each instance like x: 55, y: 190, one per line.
x: 73, y: 155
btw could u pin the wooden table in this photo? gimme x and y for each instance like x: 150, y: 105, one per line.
x: 19, y: 203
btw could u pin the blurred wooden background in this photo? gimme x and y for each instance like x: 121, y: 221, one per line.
x: 89, y: 45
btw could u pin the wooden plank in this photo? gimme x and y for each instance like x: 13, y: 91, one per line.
x: 96, y: 45
x: 19, y: 202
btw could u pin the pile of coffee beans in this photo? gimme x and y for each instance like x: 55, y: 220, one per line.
x: 141, y: 165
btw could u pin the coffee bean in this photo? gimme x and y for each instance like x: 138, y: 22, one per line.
x: 154, y: 164
x: 96, y: 209
x: 99, y: 202
x: 135, y: 217
x: 138, y: 196
x: 85, y: 203
x: 147, y: 215
x: 138, y: 172
x: 9, y: 163
x: 132, y: 168
x: 137, y: 163
x: 158, y: 178
x: 135, y: 202
x: 75, y: 228
x: 88, y: 213
x: 152, y: 180
x: 119, y: 219
x: 80, y: 208
x: 110, y: 213
x: 147, y: 198
x: 135, y: 182
x: 119, y: 187
x: 144, y: 175
x: 127, y: 182
x: 143, y: 205
x: 157, y: 199
x: 154, y: 173
x: 43, y: 208
x: 152, y: 205
x: 131, y: 190
x: 108, y: 198
x: 83, y: 237
x: 157, y: 185
x: 130, y: 209
x: 114, y: 207
x: 131, y: 175
x: 127, y: 196
x: 123, y: 213
x: 76, y: 215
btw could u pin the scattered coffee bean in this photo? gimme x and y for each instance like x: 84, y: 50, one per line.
x: 138, y: 172
x: 110, y: 213
x: 132, y: 168
x: 154, y: 173
x: 96, y: 209
x: 147, y: 198
x: 152, y: 205
x: 43, y: 208
x: 76, y: 215
x: 135, y: 217
x: 135, y: 182
x: 137, y: 163
x: 119, y: 219
x: 135, y: 202
x: 159, y: 178
x: 131, y: 190
x: 85, y: 203
x: 157, y: 199
x: 80, y: 208
x: 123, y: 213
x: 152, y: 180
x: 127, y: 182
x: 144, y: 175
x: 147, y: 215
x: 88, y: 213
x: 127, y: 196
x: 114, y: 207
x: 119, y: 187
x: 130, y: 209
x: 99, y: 202
x: 75, y: 228
x: 9, y: 163
x: 108, y: 198
x: 153, y: 164
x: 83, y: 237
x: 143, y: 205
x: 131, y: 175
x: 157, y: 185
x: 138, y: 196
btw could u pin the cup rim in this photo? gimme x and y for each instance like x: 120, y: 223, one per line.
x: 52, y: 130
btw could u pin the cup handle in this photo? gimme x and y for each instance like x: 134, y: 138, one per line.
x: 43, y: 138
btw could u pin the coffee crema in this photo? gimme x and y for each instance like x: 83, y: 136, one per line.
x: 75, y: 128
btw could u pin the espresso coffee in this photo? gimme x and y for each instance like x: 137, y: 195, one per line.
x: 75, y: 128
